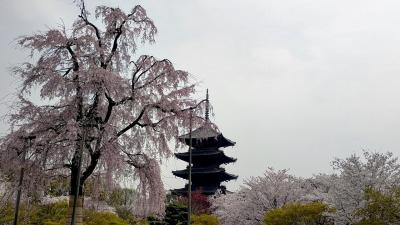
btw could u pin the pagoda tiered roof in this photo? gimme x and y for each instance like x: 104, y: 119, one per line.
x: 206, y: 136
x: 209, y: 173
x: 212, y: 155
x: 206, y: 172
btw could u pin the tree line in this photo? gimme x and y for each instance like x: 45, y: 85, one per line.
x: 362, y: 190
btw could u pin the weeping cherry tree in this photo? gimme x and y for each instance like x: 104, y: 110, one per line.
x: 110, y: 108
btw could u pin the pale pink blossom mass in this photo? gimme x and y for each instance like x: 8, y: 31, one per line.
x: 123, y: 112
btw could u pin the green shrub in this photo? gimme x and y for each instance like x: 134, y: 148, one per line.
x: 205, y: 219
x: 53, y: 214
x: 151, y: 220
x: 102, y: 218
x: 175, y: 214
x: 299, y: 214
x: 128, y: 216
x: 56, y: 214
x: 6, y: 214
x: 34, y: 214
x: 381, y: 208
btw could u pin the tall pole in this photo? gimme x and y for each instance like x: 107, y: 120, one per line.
x: 207, y: 113
x: 21, y: 179
x: 190, y: 170
x: 78, y: 179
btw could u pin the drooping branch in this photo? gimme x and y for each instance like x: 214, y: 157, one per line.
x: 118, y: 32
x: 110, y: 107
x: 151, y: 81
x: 145, y: 71
x: 134, y: 123
x: 74, y: 71
x: 73, y: 57
x: 67, y: 71
x: 150, y: 187
x: 83, y: 16
x: 137, y: 69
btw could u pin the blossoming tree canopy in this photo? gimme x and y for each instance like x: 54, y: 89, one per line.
x: 122, y: 109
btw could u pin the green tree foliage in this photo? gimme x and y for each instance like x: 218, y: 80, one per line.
x: 175, y: 214
x: 299, y: 214
x: 205, y: 219
x: 102, y: 218
x: 52, y: 214
x: 128, y: 216
x: 6, y: 214
x: 381, y: 208
x: 55, y: 214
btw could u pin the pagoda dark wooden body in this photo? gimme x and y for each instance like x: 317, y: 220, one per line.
x: 207, y: 157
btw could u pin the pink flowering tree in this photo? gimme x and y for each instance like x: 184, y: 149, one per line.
x: 260, y: 194
x: 345, y: 190
x: 115, y: 109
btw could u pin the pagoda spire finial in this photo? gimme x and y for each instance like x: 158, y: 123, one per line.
x: 207, y: 115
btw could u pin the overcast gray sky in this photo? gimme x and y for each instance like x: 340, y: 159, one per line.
x: 294, y: 82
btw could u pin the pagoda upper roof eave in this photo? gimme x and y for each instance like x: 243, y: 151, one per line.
x: 198, y: 153
x: 206, y: 132
x: 226, y: 177
x: 218, y: 141
x: 222, y: 158
x: 220, y: 172
x: 227, y: 160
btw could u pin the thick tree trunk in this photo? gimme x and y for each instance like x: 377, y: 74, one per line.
x: 73, y: 186
x: 73, y: 190
x: 78, y: 210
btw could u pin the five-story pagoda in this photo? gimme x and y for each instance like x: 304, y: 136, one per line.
x: 207, y: 158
